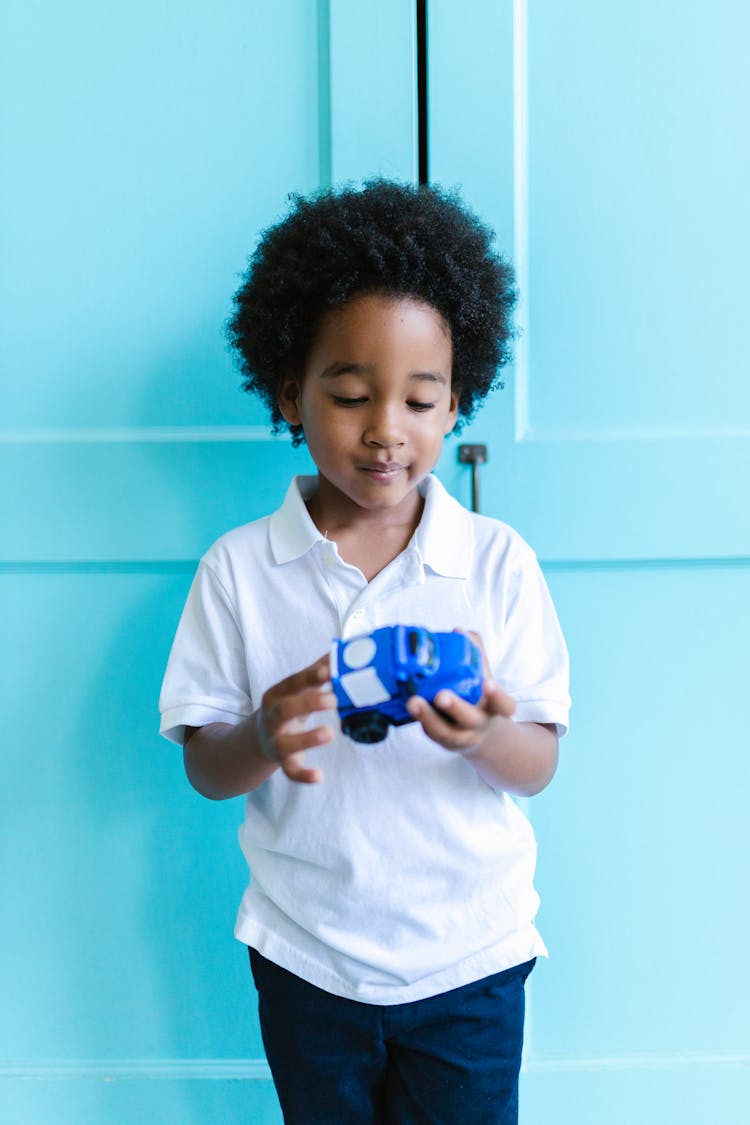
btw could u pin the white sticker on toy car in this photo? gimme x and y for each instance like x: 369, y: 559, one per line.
x: 359, y: 652
x: 364, y: 687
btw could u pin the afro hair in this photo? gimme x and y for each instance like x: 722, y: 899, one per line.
x: 398, y: 240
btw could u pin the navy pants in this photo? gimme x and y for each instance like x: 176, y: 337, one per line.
x: 451, y: 1059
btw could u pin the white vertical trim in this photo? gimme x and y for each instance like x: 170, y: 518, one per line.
x: 521, y: 212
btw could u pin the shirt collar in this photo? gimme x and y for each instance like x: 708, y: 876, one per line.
x: 443, y: 538
x: 291, y: 531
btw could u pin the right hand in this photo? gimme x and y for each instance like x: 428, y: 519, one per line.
x: 282, y: 715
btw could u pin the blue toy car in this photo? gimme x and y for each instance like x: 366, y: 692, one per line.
x: 375, y: 673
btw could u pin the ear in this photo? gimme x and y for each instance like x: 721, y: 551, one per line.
x: 290, y: 400
x: 452, y: 418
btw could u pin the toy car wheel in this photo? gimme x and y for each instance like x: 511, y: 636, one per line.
x: 367, y: 726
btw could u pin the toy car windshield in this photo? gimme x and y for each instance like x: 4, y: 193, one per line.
x: 375, y: 673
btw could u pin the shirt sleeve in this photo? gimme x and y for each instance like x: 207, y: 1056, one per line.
x: 206, y: 680
x: 533, y: 668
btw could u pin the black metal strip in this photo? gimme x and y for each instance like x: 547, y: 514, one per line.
x: 422, y: 121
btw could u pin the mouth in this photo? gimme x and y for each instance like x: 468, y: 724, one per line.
x: 383, y: 471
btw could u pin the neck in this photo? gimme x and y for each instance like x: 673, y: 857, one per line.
x: 367, y: 539
x: 333, y: 514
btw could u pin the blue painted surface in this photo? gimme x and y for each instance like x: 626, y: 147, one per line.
x: 621, y: 449
x: 154, y: 142
x: 638, y: 117
x: 152, y: 146
x: 95, y: 1100
x: 373, y: 89
x: 643, y: 838
x: 125, y: 882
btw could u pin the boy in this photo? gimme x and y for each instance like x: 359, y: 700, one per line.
x: 390, y: 911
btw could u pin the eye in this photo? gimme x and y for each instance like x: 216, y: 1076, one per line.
x: 342, y: 400
x: 420, y: 407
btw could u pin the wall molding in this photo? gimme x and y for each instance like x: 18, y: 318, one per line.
x: 611, y: 434
x: 99, y: 566
x: 257, y: 1070
x: 107, y: 435
x: 187, y: 566
x: 525, y: 433
x: 713, y: 562
x: 111, y: 1070
x: 637, y: 1061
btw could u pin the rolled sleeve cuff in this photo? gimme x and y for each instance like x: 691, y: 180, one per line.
x: 175, y: 719
x: 542, y: 711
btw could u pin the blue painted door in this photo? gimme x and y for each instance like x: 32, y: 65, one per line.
x: 608, y: 145
x: 144, y: 147
x: 143, y: 150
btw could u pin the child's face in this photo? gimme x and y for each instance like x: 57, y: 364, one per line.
x: 375, y: 402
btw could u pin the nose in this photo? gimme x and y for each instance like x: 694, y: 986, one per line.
x: 384, y: 427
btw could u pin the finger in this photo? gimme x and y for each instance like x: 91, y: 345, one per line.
x: 293, y: 740
x: 497, y: 701
x: 295, y: 769
x: 438, y: 728
x: 315, y: 674
x: 458, y: 711
x: 290, y: 751
x: 290, y: 707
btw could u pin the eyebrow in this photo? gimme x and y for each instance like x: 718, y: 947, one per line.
x: 344, y: 368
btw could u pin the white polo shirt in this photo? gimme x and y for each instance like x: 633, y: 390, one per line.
x: 403, y: 874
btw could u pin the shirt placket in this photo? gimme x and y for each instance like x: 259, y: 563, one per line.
x: 361, y: 604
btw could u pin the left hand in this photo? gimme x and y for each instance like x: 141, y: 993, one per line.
x: 456, y: 724
x: 517, y: 757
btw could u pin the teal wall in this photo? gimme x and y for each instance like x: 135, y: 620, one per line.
x: 143, y: 148
x: 608, y: 145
